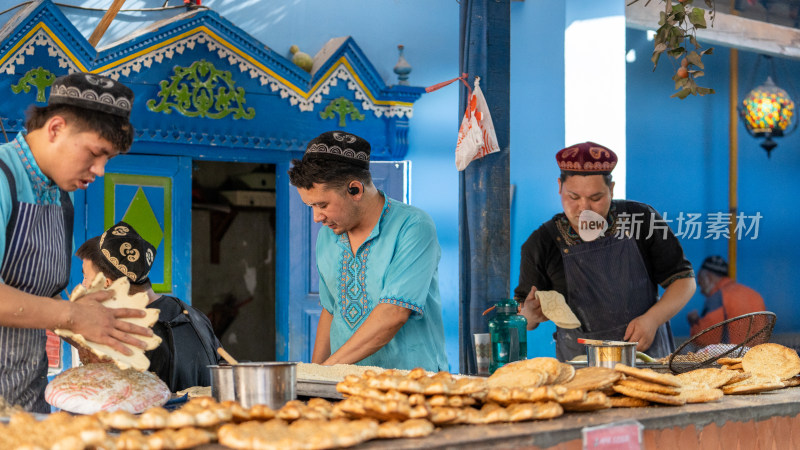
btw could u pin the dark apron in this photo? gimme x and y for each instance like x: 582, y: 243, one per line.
x: 36, y: 261
x: 608, y: 286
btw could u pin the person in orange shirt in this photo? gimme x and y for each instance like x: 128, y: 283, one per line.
x: 725, y: 299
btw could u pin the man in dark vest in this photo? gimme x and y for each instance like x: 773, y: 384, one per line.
x: 188, y: 343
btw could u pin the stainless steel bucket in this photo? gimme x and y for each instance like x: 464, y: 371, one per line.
x: 265, y: 383
x: 610, y: 354
x: 222, y: 387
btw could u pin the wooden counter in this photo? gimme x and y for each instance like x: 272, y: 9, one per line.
x: 737, y: 422
x: 746, y: 422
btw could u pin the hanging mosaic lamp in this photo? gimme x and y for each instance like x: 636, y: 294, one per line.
x: 768, y: 112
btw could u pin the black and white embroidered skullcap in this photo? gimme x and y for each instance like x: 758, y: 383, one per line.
x: 716, y: 264
x: 128, y: 253
x: 91, y: 91
x: 339, y: 146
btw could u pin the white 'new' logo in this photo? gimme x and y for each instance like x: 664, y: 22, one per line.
x: 591, y: 225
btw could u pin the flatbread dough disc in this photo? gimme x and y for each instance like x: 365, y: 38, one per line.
x: 647, y: 386
x: 103, y: 387
x: 593, y: 378
x: 706, y: 378
x: 772, y: 359
x: 622, y: 401
x: 650, y: 375
x: 555, y: 308
x: 121, y: 299
x: 594, y: 401
x: 675, y: 400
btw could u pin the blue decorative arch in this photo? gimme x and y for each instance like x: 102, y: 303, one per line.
x: 286, y: 100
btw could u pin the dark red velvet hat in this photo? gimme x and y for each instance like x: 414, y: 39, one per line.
x: 586, y: 158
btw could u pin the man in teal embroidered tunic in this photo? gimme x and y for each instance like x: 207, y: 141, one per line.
x: 378, y: 263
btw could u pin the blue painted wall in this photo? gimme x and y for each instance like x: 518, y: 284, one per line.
x: 537, y: 130
x: 677, y: 150
x: 678, y: 162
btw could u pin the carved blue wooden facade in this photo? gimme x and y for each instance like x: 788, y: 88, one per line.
x: 199, y: 80
x: 204, y: 90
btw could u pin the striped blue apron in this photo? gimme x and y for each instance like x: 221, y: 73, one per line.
x: 608, y: 286
x: 36, y: 261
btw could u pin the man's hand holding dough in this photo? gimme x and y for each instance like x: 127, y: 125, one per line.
x: 531, y: 308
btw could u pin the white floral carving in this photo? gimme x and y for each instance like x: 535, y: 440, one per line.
x: 160, y: 55
x: 39, y: 39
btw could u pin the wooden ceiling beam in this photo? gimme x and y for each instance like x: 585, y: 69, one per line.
x: 728, y: 30
x: 108, y: 17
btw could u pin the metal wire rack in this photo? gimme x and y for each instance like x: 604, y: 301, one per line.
x: 731, y: 338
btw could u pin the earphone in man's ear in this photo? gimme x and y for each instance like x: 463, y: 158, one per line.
x: 353, y: 190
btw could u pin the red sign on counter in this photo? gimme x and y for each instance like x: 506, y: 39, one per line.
x: 625, y: 435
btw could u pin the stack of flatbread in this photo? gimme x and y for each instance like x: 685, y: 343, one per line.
x: 544, y: 379
x: 59, y: 430
x: 668, y: 389
x: 394, y: 395
x: 555, y: 308
x: 315, y: 424
x: 444, y: 399
x: 7, y: 409
x: 767, y: 367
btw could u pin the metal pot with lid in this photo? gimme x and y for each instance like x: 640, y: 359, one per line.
x: 601, y: 353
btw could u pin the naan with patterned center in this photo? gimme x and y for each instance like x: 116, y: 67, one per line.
x: 104, y: 387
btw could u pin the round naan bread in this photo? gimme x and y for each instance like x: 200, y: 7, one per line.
x: 104, y: 387
x: 555, y: 308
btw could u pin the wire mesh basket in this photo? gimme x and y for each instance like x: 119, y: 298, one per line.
x: 731, y: 338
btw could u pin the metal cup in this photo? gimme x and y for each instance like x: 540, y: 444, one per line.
x: 222, y: 383
x: 265, y: 383
x: 483, y: 352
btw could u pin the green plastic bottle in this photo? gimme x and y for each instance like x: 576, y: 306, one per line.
x: 509, y: 334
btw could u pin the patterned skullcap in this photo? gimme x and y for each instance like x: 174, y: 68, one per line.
x: 586, y: 158
x: 127, y: 252
x: 716, y: 264
x: 91, y: 91
x: 340, y: 146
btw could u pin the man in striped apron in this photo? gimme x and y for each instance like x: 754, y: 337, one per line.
x: 67, y: 144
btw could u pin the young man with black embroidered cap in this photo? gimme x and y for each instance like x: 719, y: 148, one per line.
x: 188, y: 344
x: 67, y: 144
x: 377, y: 259
x: 611, y: 281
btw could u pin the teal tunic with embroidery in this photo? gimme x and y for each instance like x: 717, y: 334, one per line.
x: 397, y: 264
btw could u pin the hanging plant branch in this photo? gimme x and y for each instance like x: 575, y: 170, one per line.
x: 678, y: 25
